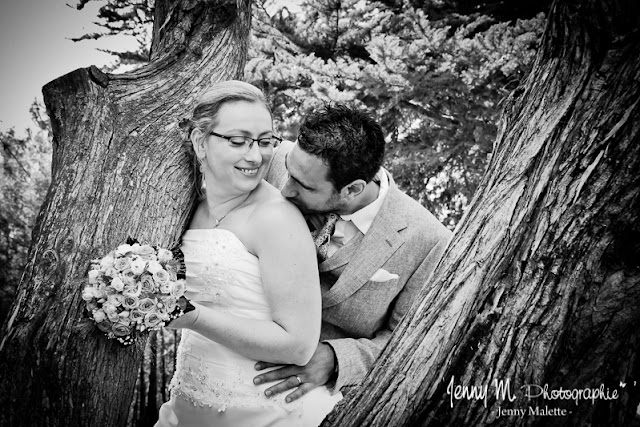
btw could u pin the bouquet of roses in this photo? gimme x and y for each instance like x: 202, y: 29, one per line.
x: 135, y: 288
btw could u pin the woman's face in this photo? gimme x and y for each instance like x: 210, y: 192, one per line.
x: 240, y: 168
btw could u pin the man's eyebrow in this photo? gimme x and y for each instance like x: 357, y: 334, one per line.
x: 286, y: 156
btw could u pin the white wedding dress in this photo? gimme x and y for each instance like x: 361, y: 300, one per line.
x: 212, y: 384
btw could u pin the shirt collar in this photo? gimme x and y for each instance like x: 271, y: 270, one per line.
x: 363, y: 218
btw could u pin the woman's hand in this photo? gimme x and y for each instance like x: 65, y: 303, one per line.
x: 188, y: 319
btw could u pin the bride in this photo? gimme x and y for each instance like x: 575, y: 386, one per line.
x: 251, y: 275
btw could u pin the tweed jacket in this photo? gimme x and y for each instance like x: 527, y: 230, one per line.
x: 382, y: 272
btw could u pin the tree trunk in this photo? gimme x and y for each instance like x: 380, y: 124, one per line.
x: 541, y: 283
x: 164, y: 378
x: 150, y: 413
x: 118, y: 170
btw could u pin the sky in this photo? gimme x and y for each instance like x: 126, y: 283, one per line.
x: 35, y: 49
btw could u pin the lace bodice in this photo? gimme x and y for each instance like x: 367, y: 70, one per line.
x: 221, y: 275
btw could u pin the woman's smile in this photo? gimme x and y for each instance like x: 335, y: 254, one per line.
x: 249, y: 171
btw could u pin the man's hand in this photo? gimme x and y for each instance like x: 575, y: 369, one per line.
x: 314, y: 374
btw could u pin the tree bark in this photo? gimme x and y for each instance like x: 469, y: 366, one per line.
x: 541, y: 282
x: 150, y: 414
x: 119, y: 170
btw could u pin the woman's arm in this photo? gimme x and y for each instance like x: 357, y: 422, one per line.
x: 278, y: 235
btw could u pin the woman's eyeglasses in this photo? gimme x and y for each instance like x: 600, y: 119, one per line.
x: 246, y: 142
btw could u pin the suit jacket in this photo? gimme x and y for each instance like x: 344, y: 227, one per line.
x: 359, y: 314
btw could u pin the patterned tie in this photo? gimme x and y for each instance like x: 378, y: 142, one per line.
x: 322, y: 236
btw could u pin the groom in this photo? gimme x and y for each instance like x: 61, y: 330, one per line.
x: 374, y: 255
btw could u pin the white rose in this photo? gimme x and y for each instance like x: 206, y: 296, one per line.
x: 123, y: 249
x: 133, y: 290
x: 117, y: 284
x: 136, y: 315
x: 154, y: 267
x: 170, y: 303
x: 147, y: 305
x: 147, y: 253
x: 109, y: 308
x: 128, y: 277
x: 99, y: 316
x: 130, y: 301
x: 147, y: 283
x: 105, y: 290
x: 137, y: 266
x: 93, y: 276
x: 164, y: 255
x: 124, y: 321
x: 135, y: 248
x: 122, y: 264
x: 178, y: 288
x: 161, y: 277
x: 111, y: 272
x: 146, y: 250
x: 151, y: 320
x: 115, y: 300
x: 113, y: 316
x: 89, y: 293
x: 106, y: 262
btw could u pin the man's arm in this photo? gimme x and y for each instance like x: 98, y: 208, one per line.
x: 356, y: 356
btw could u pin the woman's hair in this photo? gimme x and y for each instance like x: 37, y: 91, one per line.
x: 205, y: 113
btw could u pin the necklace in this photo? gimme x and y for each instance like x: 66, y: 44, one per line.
x: 217, y: 221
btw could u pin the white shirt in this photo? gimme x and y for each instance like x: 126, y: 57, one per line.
x: 348, y: 226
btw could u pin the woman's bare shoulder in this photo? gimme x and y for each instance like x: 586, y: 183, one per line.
x: 274, y: 210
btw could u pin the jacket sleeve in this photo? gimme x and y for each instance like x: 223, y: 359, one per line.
x: 277, y: 172
x: 356, y: 356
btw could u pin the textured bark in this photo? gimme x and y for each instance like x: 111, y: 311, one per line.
x: 150, y: 415
x: 541, y: 283
x: 119, y: 170
x: 153, y: 380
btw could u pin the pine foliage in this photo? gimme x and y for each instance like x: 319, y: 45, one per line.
x: 435, y: 88
x: 25, y: 173
x: 433, y: 73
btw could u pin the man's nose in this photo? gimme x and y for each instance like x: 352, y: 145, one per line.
x: 288, y: 191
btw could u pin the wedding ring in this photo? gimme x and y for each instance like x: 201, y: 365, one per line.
x: 299, y: 380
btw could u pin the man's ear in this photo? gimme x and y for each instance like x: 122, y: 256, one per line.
x: 197, y: 140
x: 352, y: 190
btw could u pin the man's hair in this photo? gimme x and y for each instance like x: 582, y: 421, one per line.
x: 349, y: 141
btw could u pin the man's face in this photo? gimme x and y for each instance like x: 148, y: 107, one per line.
x: 308, y: 186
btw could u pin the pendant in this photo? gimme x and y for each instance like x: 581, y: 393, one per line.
x: 216, y: 223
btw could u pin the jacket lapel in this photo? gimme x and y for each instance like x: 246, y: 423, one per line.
x: 342, y: 255
x: 376, y: 247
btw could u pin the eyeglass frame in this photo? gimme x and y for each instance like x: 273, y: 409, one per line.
x: 247, y: 138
